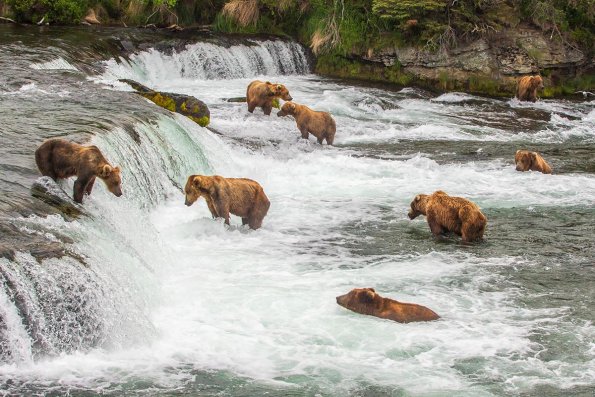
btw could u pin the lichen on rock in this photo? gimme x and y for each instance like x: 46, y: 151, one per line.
x: 187, y: 105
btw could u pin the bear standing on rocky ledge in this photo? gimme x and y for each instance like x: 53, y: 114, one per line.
x: 527, y: 86
x: 445, y: 214
x: 60, y: 159
x: 238, y: 196
x: 261, y: 94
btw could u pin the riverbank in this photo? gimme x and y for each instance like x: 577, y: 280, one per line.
x: 481, y: 53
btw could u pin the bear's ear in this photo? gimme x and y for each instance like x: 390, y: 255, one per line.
x: 372, y: 289
x: 105, y: 171
x: 366, y: 296
x: 117, y: 169
x: 417, y: 198
x: 196, y: 182
x: 279, y: 87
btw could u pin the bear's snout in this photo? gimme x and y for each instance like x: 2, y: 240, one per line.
x: 412, y: 215
x: 280, y: 113
x: 341, y: 300
x: 290, y: 98
x: 187, y: 203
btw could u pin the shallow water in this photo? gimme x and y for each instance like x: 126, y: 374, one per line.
x: 171, y: 302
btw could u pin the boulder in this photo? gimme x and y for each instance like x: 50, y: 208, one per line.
x: 47, y: 190
x: 195, y: 109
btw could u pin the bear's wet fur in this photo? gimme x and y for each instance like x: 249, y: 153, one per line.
x: 527, y: 86
x: 367, y: 301
x: 446, y: 213
x: 239, y: 196
x: 320, y: 124
x: 262, y: 94
x: 60, y: 159
x: 531, y: 161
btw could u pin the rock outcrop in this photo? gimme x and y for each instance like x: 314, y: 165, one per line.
x: 491, y: 62
x: 195, y: 109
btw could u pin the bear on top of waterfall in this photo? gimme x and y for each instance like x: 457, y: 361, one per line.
x: 367, y: 301
x: 59, y: 159
x: 527, y: 86
x: 238, y: 196
x: 446, y: 213
x: 319, y: 124
x: 526, y: 160
x: 262, y: 94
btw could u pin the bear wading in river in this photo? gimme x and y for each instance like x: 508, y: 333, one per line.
x: 445, y: 214
x: 367, y: 301
x: 238, y: 196
x: 60, y: 159
x: 262, y: 94
x: 531, y: 161
x: 319, y: 124
x: 527, y: 86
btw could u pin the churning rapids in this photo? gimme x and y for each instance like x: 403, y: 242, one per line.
x: 144, y: 296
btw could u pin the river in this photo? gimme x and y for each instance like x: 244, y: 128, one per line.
x: 145, y: 296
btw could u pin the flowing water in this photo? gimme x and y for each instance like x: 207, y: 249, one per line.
x: 145, y: 296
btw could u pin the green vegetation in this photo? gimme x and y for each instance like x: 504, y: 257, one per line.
x: 337, y: 29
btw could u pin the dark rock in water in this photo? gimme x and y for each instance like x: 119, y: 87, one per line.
x: 47, y: 190
x: 240, y: 99
x: 195, y: 109
x: 237, y: 99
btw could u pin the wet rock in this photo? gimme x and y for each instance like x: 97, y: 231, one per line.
x: 195, y: 109
x: 237, y: 99
x: 47, y: 190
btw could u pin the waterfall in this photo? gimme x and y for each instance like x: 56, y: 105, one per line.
x: 208, y: 61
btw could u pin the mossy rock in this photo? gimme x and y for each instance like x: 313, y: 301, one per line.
x: 195, y: 109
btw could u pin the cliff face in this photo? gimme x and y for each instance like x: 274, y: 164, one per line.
x: 489, y: 65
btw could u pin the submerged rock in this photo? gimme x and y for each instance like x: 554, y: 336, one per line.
x: 240, y: 99
x: 195, y: 109
x: 47, y: 190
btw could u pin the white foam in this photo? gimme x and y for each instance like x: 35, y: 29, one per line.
x: 55, y: 64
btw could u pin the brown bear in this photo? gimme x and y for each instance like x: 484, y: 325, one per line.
x: 319, y: 124
x: 59, y: 159
x: 261, y: 94
x: 239, y: 196
x: 526, y: 160
x: 527, y: 86
x: 450, y: 214
x: 367, y: 301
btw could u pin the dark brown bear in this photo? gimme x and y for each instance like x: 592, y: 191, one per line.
x: 450, y: 214
x: 527, y: 86
x: 261, y: 94
x: 59, y: 159
x: 239, y: 196
x: 319, y: 124
x: 367, y: 301
x: 531, y: 161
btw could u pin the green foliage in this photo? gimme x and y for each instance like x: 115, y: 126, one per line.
x: 55, y: 11
x: 402, y: 10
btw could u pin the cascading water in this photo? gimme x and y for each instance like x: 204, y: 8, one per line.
x: 159, y: 298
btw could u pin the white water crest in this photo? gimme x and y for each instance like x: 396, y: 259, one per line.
x: 55, y: 64
x: 211, y: 61
x: 180, y: 293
